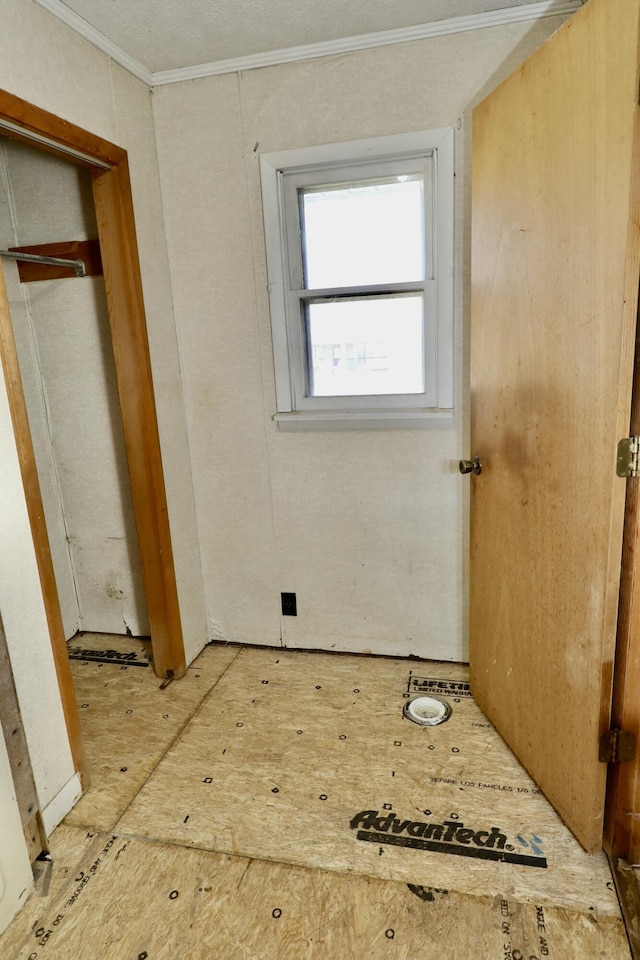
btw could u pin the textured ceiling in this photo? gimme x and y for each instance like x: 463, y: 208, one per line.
x: 165, y: 34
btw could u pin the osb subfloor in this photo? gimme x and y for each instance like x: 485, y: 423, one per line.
x: 128, y: 722
x: 277, y: 805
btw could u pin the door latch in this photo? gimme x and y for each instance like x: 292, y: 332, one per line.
x: 470, y: 466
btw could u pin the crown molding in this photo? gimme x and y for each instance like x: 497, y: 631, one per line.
x: 98, y: 39
x: 312, y: 51
x: 424, y: 31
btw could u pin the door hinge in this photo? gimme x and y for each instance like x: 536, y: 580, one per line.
x: 617, y: 746
x: 628, y: 462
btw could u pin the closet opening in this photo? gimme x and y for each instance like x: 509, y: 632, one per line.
x: 60, y: 324
x: 76, y: 362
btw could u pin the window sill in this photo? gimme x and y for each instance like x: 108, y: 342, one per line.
x: 362, y: 419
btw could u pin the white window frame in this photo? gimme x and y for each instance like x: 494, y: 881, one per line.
x: 284, y: 171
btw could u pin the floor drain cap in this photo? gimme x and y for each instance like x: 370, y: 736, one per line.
x: 427, y: 711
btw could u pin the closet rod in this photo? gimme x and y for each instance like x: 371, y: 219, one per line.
x: 78, y: 265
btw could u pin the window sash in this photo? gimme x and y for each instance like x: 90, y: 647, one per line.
x: 291, y: 181
x: 297, y: 295
x: 299, y: 359
x: 363, y: 332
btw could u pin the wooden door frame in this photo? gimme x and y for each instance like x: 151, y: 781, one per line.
x: 109, y: 169
x: 621, y: 838
x: 622, y: 815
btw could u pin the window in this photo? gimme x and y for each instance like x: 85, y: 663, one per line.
x: 360, y: 260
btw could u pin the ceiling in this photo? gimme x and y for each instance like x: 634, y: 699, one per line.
x: 162, y: 35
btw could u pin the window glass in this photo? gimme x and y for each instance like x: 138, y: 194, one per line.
x: 365, y: 346
x: 363, y: 233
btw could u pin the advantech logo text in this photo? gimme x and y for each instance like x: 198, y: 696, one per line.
x: 451, y: 836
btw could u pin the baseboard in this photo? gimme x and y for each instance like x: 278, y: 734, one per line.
x: 57, y: 809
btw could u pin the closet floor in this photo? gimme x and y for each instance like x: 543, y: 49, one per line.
x: 277, y: 804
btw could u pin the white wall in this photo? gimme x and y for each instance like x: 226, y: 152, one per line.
x: 369, y: 528
x: 25, y: 624
x: 45, y: 63
x: 16, y: 878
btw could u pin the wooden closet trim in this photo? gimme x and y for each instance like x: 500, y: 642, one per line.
x: 35, y: 510
x: 119, y: 247
x: 116, y: 228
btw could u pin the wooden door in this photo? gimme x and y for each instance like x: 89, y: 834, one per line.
x: 555, y: 266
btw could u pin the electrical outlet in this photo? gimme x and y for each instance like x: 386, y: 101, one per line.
x: 289, y: 606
